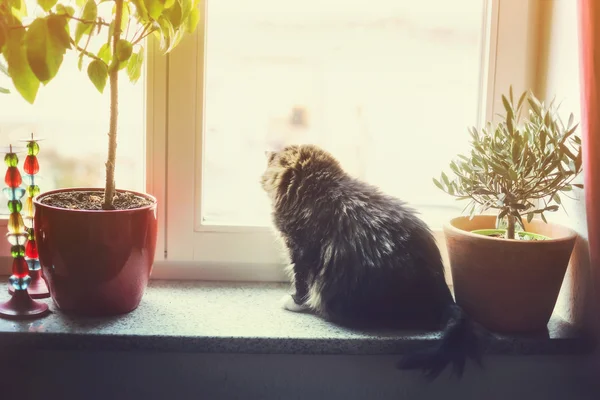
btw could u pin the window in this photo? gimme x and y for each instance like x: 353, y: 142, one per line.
x: 385, y: 87
x: 72, y: 117
x: 389, y: 87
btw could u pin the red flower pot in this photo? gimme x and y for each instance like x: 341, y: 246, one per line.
x: 96, y: 262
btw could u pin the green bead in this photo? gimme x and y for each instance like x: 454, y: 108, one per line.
x: 17, y: 251
x: 15, y: 206
x: 33, y: 148
x: 11, y: 160
x: 33, y: 190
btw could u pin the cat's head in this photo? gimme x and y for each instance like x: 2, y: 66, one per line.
x: 292, y: 165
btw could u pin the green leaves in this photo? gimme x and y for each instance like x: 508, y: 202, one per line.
x: 105, y: 54
x: 4, y: 71
x: 134, y: 67
x: 19, y: 8
x: 3, y: 35
x: 98, y: 73
x: 58, y: 29
x: 517, y: 166
x: 37, y: 47
x: 47, y: 4
x: 46, y: 42
x: 141, y: 10
x: 154, y: 7
x: 19, y: 70
x: 124, y: 50
x: 89, y: 13
x: 65, y: 10
x: 35, y: 53
x: 192, y: 20
x: 175, y: 19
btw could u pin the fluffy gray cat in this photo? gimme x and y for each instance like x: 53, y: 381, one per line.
x: 361, y: 258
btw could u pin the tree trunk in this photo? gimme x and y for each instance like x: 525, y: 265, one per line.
x: 113, y: 76
x: 510, y: 229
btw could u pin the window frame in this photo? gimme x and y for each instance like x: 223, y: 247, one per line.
x: 200, y: 251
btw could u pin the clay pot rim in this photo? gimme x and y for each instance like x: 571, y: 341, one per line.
x: 38, y: 203
x: 449, y: 227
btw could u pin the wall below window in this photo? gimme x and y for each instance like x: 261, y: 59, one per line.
x: 90, y: 376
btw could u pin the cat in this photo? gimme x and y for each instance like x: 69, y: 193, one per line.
x: 361, y: 258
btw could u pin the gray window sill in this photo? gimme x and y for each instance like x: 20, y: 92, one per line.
x: 210, y: 317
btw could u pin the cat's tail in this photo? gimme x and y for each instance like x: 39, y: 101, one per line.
x: 459, y: 341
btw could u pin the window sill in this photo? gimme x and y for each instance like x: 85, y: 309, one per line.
x: 215, y: 317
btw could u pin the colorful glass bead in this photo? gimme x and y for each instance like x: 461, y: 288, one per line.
x: 13, y: 193
x: 17, y: 251
x: 33, y: 190
x: 28, y: 221
x: 19, y: 283
x: 33, y: 148
x: 20, y: 267
x: 16, y: 239
x: 33, y: 263
x: 31, y: 249
x: 13, y: 177
x: 11, y: 160
x: 15, y: 223
x: 29, y: 207
x: 31, y: 165
x: 15, y: 206
x: 30, y: 179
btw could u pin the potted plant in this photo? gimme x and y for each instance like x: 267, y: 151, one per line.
x: 96, y: 245
x: 508, y: 268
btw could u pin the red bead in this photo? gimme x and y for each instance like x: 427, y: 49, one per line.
x: 13, y: 177
x: 20, y: 268
x: 31, y: 249
x: 31, y: 165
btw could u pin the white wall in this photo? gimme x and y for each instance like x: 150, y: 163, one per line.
x: 559, y: 76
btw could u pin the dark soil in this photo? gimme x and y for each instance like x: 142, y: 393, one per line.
x: 88, y: 200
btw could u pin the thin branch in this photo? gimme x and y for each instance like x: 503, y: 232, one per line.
x: 144, y: 34
x: 87, y: 43
x: 85, y: 52
x: 151, y: 31
x: 99, y: 21
x: 137, y: 31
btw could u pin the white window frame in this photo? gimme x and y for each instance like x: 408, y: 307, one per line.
x: 187, y: 249
x: 193, y: 250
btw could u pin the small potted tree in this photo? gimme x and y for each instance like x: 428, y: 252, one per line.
x: 96, y: 245
x: 508, y: 268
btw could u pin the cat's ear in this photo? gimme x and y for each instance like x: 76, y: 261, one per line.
x: 269, y: 155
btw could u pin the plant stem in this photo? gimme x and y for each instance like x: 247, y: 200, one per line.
x: 84, y: 51
x: 510, y: 229
x: 113, y: 75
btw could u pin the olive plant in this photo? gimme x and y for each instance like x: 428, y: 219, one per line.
x: 518, y: 166
x: 34, y: 46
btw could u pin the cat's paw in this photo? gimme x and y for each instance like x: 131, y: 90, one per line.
x: 288, y: 303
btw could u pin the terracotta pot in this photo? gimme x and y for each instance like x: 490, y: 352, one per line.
x: 96, y: 262
x: 507, y: 286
